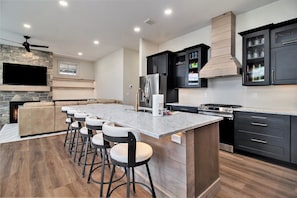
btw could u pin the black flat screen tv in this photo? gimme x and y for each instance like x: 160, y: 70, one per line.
x: 17, y: 74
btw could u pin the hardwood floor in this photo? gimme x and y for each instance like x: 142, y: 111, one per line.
x: 43, y: 168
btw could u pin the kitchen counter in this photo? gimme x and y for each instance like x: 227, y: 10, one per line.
x: 268, y: 110
x: 188, y: 168
x: 147, y: 124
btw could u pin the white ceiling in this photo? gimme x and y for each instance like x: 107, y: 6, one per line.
x: 72, y: 29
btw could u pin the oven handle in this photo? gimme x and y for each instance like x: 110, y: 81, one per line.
x: 230, y: 117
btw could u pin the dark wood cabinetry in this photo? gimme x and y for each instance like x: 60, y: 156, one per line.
x: 263, y: 134
x: 255, y: 62
x: 163, y: 63
x: 294, y: 139
x: 283, y: 55
x: 188, y: 64
x: 269, y: 54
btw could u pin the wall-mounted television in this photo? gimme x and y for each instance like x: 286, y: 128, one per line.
x: 17, y: 74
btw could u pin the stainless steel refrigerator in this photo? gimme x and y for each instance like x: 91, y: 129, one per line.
x: 155, y: 84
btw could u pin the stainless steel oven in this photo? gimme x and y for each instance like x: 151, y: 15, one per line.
x: 226, y: 125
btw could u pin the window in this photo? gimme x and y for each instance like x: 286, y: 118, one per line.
x: 67, y: 68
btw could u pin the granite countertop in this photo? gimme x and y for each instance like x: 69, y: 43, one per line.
x: 268, y: 110
x: 145, y: 122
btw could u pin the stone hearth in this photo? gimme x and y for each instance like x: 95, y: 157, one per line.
x: 12, y: 54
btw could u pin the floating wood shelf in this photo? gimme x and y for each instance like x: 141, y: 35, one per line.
x: 24, y: 88
x: 66, y: 88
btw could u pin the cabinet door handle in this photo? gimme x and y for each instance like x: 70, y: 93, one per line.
x: 259, y: 141
x: 259, y: 124
x: 243, y: 77
x: 289, y: 42
x: 259, y: 117
x: 272, y: 76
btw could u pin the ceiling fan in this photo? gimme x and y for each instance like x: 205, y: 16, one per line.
x: 26, y: 44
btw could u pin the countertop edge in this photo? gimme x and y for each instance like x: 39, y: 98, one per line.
x: 266, y: 110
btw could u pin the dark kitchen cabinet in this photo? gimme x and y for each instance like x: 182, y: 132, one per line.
x: 256, y: 57
x: 180, y: 69
x: 263, y: 134
x: 283, y: 55
x: 163, y: 64
x: 188, y: 64
x: 294, y: 139
x: 269, y: 54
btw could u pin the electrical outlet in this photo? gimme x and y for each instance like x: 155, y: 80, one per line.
x: 176, y: 138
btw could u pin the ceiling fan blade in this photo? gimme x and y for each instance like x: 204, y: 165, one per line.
x: 39, y: 46
x: 9, y: 41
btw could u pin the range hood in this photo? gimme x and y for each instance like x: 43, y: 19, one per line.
x: 222, y: 61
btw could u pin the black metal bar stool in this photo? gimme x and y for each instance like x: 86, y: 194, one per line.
x: 80, y: 118
x: 98, y: 143
x: 68, y: 121
x: 127, y: 153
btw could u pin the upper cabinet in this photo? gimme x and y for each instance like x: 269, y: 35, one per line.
x: 269, y: 54
x: 188, y: 64
x: 255, y: 67
x: 163, y: 64
x: 182, y: 67
x: 283, y: 55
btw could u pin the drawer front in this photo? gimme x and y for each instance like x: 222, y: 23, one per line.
x: 263, y: 124
x: 273, y: 147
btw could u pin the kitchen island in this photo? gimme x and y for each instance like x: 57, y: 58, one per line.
x: 188, y: 166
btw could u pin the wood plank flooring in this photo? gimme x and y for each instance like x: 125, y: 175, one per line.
x: 43, y: 168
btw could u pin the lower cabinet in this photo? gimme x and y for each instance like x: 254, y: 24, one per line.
x: 263, y: 134
x: 294, y: 139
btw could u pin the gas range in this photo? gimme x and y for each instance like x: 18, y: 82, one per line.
x: 223, y: 110
x: 226, y: 126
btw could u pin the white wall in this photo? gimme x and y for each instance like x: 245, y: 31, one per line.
x: 109, y: 76
x: 230, y: 89
x: 146, y: 48
x: 85, y: 68
x: 130, y: 85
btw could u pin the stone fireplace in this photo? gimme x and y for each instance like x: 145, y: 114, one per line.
x: 12, y: 54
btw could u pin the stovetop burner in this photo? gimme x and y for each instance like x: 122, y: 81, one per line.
x: 218, y: 108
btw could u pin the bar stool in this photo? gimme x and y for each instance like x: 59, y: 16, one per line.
x: 98, y: 143
x: 72, y: 130
x: 68, y: 121
x: 80, y: 118
x: 127, y: 153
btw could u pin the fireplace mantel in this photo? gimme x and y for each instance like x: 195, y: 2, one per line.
x: 24, y: 88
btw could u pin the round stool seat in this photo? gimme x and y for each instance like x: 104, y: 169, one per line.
x: 65, y: 108
x: 84, y: 131
x: 71, y: 112
x: 75, y: 124
x: 68, y: 120
x: 94, y: 121
x: 98, y: 139
x: 119, y: 152
x: 80, y: 115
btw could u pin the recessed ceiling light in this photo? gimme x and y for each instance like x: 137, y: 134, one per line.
x: 27, y: 26
x: 80, y: 53
x: 96, y: 42
x: 168, y: 11
x: 137, y: 29
x: 63, y: 3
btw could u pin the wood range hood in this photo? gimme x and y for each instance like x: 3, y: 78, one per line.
x: 222, y: 61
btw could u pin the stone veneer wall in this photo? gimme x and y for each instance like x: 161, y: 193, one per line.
x: 12, y: 54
